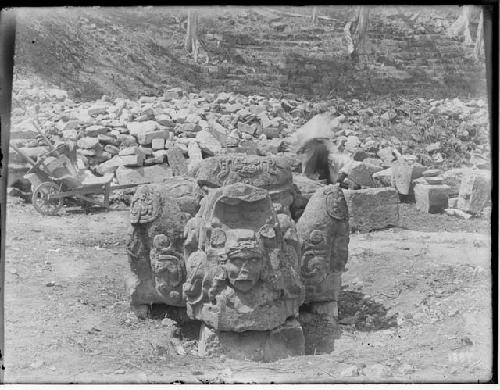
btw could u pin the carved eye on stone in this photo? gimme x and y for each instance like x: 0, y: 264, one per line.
x: 217, y: 238
x: 161, y: 241
x: 267, y: 231
x: 336, y: 206
x: 316, y: 237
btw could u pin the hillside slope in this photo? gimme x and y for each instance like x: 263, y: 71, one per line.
x: 276, y: 51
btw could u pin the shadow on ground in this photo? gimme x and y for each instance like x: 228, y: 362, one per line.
x: 362, y: 312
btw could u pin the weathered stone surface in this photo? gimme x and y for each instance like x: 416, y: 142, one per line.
x: 95, y: 130
x: 475, y: 191
x: 453, y: 178
x: 208, y: 143
x: 269, y: 172
x: 262, y: 346
x: 431, y: 198
x: 142, y: 127
x: 304, y: 188
x: 244, y: 275
x: 372, y: 208
x: 177, y: 162
x: 403, y: 174
x: 361, y: 173
x: 71, y: 135
x: 320, y: 332
x: 147, y: 137
x: 195, y: 156
x: 323, y: 230
x: 144, y: 175
x: 88, y: 143
x: 383, y: 178
x: 155, y: 248
x: 158, y: 143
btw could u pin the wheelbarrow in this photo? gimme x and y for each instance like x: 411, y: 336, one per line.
x: 55, y: 176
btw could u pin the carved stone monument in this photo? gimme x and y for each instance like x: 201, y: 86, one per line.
x: 158, y: 214
x: 271, y: 173
x: 244, y: 275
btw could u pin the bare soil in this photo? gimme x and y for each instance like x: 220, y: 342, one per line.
x: 416, y: 307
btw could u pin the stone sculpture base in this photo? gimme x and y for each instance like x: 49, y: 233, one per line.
x: 261, y: 346
x: 320, y: 327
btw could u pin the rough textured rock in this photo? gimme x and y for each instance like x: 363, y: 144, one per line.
x: 269, y: 172
x: 144, y: 175
x: 304, y: 188
x: 372, y: 208
x: 177, y: 161
x: 361, y: 173
x: 208, y: 143
x: 244, y: 275
x: 431, y: 198
x: 403, y: 173
x: 475, y: 191
x: 323, y: 230
x: 263, y: 346
x: 158, y: 214
x: 320, y: 332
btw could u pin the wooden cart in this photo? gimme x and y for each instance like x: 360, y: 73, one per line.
x: 55, y: 176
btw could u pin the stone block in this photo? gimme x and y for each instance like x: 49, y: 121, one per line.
x: 208, y: 143
x: 143, y: 175
x: 71, y: 135
x: 383, y: 178
x: 262, y: 346
x: 475, y: 191
x: 95, y: 130
x: 147, y: 137
x: 177, y: 162
x: 372, y: 208
x: 158, y: 143
x: 133, y: 160
x: 142, y: 127
x: 361, y: 173
x: 403, y: 174
x: 431, y: 198
x: 88, y: 143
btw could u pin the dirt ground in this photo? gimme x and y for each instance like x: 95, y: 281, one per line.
x: 415, y: 307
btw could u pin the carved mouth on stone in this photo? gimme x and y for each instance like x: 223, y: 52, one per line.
x: 167, y: 257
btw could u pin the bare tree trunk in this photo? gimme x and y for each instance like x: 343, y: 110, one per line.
x: 191, y: 43
x: 314, y: 15
x: 356, y: 34
x: 461, y: 26
x: 478, y: 48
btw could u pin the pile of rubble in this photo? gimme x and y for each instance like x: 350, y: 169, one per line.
x: 156, y: 138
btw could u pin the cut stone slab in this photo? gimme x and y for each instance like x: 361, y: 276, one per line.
x: 177, y: 162
x: 133, y: 160
x: 434, y: 180
x: 452, y: 203
x: 97, y: 109
x: 87, y: 143
x: 142, y: 127
x: 475, y: 191
x: 431, y: 198
x: 208, y: 143
x: 147, y: 137
x: 262, y: 346
x: 143, y: 175
x: 458, y: 213
x: 403, y: 174
x: 361, y: 173
x: 372, y: 208
x: 95, y: 130
x: 383, y: 178
x: 195, y: 156
x: 158, y: 143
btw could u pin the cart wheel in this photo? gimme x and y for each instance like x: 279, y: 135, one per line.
x: 41, y: 198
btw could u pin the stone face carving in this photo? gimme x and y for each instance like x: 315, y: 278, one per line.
x: 241, y: 276
x: 269, y: 172
x: 158, y: 215
x: 324, y: 232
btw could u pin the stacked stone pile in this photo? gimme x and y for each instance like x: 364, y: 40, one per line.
x: 156, y: 138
